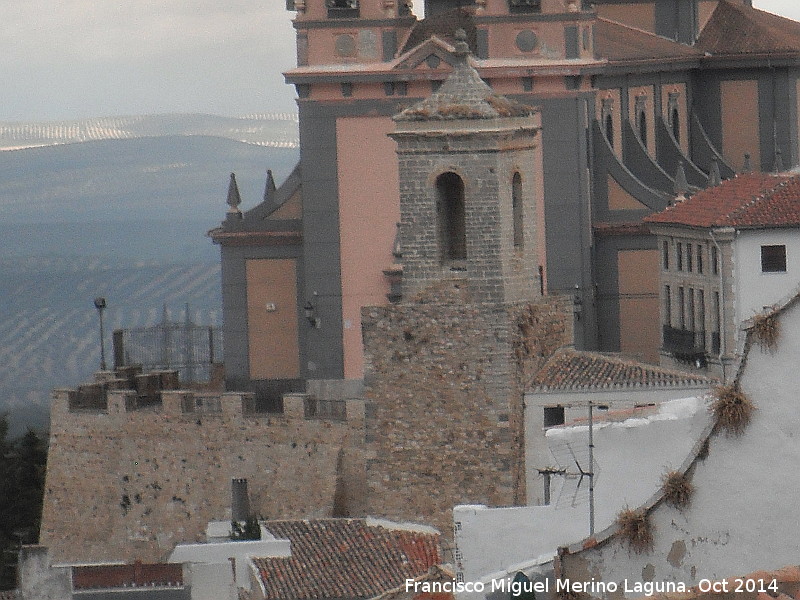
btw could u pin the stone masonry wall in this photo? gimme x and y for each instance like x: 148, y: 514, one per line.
x: 128, y: 484
x: 441, y: 425
x: 494, y: 270
x: 444, y: 381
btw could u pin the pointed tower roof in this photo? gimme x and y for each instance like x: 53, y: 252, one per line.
x: 464, y: 95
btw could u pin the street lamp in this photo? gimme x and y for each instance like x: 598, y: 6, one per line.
x: 100, y: 305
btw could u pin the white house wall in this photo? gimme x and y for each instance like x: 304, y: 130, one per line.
x: 576, y: 407
x: 212, y: 581
x: 743, y: 514
x: 241, y: 551
x: 754, y: 289
x: 630, y: 458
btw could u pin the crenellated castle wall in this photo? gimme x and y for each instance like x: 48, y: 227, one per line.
x: 127, y: 482
x: 133, y: 472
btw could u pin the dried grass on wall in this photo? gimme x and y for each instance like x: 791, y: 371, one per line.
x: 635, y: 529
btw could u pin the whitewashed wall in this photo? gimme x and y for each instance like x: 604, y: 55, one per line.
x: 631, y: 456
x: 743, y: 515
x: 755, y: 289
x: 537, y: 454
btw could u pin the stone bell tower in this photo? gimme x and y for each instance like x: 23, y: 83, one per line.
x: 470, y: 190
x: 446, y: 367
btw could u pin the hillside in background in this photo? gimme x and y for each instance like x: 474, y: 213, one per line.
x: 276, y: 130
x: 121, y: 218
x: 162, y: 178
x: 49, y: 332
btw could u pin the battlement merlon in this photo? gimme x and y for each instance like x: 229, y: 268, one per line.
x: 191, y: 404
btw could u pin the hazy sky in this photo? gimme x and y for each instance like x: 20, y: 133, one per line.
x: 70, y: 59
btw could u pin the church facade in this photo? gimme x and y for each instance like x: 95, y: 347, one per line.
x: 630, y: 93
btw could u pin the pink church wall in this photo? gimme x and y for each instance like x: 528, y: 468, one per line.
x: 369, y: 210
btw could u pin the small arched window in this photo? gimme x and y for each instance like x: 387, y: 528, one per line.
x: 452, y: 217
x: 643, y: 127
x: 516, y: 210
x: 609, y: 128
x: 674, y: 115
x: 607, y: 119
x: 676, y: 124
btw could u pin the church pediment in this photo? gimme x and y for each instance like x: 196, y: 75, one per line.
x: 433, y: 53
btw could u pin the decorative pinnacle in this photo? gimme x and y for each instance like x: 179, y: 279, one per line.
x: 270, y: 187
x: 714, y: 177
x: 777, y: 166
x: 681, y: 185
x: 461, y: 47
x: 234, y: 200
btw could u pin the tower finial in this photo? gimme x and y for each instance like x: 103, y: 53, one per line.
x: 461, y: 46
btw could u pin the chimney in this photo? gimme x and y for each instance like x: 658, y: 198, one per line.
x: 240, y: 503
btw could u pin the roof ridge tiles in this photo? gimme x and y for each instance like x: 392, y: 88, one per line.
x: 764, y: 195
x: 636, y: 29
x: 570, y: 369
x: 746, y: 200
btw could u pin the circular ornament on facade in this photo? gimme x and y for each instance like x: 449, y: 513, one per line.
x: 527, y: 41
x: 346, y: 45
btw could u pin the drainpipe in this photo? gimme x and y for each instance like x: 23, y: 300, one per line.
x: 591, y: 472
x: 722, y: 324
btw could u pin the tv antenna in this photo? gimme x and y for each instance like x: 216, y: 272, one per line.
x: 576, y: 464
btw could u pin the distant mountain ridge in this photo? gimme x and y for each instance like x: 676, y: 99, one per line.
x: 275, y: 130
x: 167, y: 178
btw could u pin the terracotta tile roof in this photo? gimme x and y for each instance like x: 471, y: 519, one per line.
x: 246, y: 595
x: 440, y: 573
x: 740, y: 29
x: 748, y: 200
x: 621, y: 43
x: 344, y: 558
x: 119, y: 576
x: 576, y: 370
